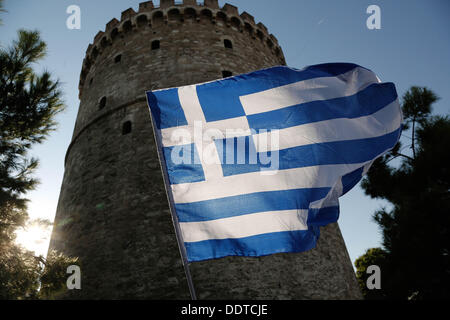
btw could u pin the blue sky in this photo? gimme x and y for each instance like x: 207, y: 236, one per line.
x: 411, y: 48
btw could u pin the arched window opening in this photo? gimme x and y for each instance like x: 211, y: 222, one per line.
x: 118, y: 58
x: 228, y: 44
x: 90, y: 81
x: 221, y: 18
x: 249, y: 28
x: 205, y: 15
x: 190, y: 14
x: 235, y: 22
x: 126, y: 127
x: 127, y: 26
x: 260, y: 34
x: 102, y: 103
x: 174, y: 15
x: 104, y: 42
x: 114, y: 33
x: 155, y: 44
x: 142, y: 20
x: 226, y: 74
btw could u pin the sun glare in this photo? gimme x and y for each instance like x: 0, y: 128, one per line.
x: 34, y: 238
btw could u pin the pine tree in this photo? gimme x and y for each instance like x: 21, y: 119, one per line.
x: 416, y: 231
x: 28, y: 105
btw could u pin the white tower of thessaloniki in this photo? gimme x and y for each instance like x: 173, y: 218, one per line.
x: 113, y: 211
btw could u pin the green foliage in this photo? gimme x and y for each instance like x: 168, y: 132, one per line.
x: 28, y: 105
x: 374, y: 256
x: 54, y: 275
x: 25, y: 276
x: 416, y: 231
x: 417, y: 104
x: 19, y: 273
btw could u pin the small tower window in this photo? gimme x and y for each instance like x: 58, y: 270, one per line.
x: 90, y: 81
x: 102, y: 103
x: 155, y: 45
x: 118, y: 58
x: 228, y: 44
x: 226, y: 73
x: 126, y: 128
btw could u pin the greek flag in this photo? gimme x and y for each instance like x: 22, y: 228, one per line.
x: 256, y: 163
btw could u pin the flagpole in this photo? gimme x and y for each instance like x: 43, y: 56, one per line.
x: 176, y: 224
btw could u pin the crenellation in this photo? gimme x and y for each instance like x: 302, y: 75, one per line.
x: 111, y: 24
x: 230, y: 9
x: 261, y: 26
x: 146, y: 6
x: 214, y: 4
x: 190, y: 2
x: 89, y: 48
x: 149, y: 15
x: 127, y: 14
x: 166, y: 3
x: 247, y: 17
x: 98, y: 36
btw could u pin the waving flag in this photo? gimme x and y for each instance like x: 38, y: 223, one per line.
x: 256, y: 163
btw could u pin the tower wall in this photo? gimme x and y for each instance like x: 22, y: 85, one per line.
x: 113, y: 212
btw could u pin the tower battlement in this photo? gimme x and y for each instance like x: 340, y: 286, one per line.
x: 173, y: 12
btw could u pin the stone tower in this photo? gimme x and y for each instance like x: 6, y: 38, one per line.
x: 113, y: 212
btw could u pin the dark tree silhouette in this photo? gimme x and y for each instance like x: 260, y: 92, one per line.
x: 415, y: 255
x: 28, y: 105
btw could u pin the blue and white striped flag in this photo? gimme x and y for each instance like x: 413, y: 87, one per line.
x: 256, y: 162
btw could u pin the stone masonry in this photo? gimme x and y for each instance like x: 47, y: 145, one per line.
x: 113, y: 212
